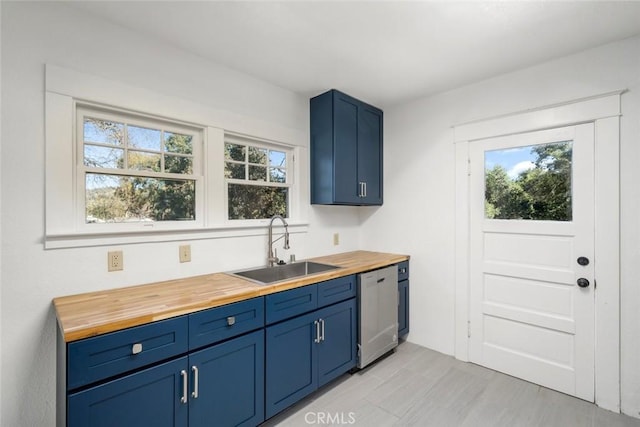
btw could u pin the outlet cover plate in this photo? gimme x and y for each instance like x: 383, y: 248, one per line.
x: 185, y: 253
x: 115, y: 261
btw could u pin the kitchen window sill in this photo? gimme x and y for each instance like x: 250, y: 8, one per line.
x: 79, y: 240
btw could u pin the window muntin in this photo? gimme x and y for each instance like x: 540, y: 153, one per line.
x: 137, y: 169
x: 257, y: 179
x: 529, y: 183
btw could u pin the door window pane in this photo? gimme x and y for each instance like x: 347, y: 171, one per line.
x: 532, y: 182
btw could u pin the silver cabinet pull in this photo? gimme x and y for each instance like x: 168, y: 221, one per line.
x: 194, y: 394
x: 183, y: 373
x: 137, y: 348
x: 317, y: 324
x: 364, y: 193
x: 322, y: 330
x: 231, y: 320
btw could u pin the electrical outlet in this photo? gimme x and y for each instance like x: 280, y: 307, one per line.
x: 115, y: 261
x: 185, y: 253
x: 336, y: 239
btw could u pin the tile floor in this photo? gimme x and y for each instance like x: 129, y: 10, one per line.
x: 416, y: 386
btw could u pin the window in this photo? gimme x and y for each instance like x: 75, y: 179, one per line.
x: 136, y: 169
x: 126, y: 165
x: 257, y: 178
x: 531, y: 182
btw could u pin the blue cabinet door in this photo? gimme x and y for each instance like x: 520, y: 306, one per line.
x: 337, y: 347
x: 403, y: 308
x: 345, y: 149
x: 229, y: 388
x: 150, y: 397
x: 291, y: 352
x: 370, y: 154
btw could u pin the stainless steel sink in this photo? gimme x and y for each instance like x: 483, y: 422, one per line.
x: 277, y: 273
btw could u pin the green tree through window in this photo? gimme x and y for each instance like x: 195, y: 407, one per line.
x: 542, y: 191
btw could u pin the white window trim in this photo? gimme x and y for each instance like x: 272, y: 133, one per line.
x: 64, y: 87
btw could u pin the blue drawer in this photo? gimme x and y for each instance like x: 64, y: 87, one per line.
x: 403, y: 271
x: 336, y: 290
x: 111, y: 354
x: 286, y: 304
x: 219, y: 323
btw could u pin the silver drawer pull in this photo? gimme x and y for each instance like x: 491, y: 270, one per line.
x: 403, y: 270
x: 194, y: 393
x: 137, y: 348
x: 317, y: 325
x: 184, y: 397
x: 231, y: 320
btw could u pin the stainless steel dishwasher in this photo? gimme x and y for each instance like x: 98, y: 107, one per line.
x: 378, y: 314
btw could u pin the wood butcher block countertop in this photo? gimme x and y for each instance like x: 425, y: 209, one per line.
x: 94, y: 313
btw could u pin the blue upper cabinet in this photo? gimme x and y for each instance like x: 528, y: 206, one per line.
x: 346, y: 151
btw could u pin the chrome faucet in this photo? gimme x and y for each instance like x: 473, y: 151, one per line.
x: 272, y: 259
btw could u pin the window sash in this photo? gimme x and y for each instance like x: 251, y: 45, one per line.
x: 259, y: 144
x: 83, y: 110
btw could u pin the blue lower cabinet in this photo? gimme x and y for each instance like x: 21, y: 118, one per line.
x: 229, y: 388
x: 290, y: 362
x: 308, y: 351
x: 403, y: 308
x: 337, y: 349
x: 222, y: 385
x: 150, y: 397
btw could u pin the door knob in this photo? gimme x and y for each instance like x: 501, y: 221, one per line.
x: 583, y: 283
x: 583, y: 261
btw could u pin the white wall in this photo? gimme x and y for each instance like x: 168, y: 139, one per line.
x: 37, y: 33
x: 418, y: 215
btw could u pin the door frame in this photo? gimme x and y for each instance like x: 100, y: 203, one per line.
x: 604, y: 111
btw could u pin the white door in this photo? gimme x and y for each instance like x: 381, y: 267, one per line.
x: 531, y: 257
